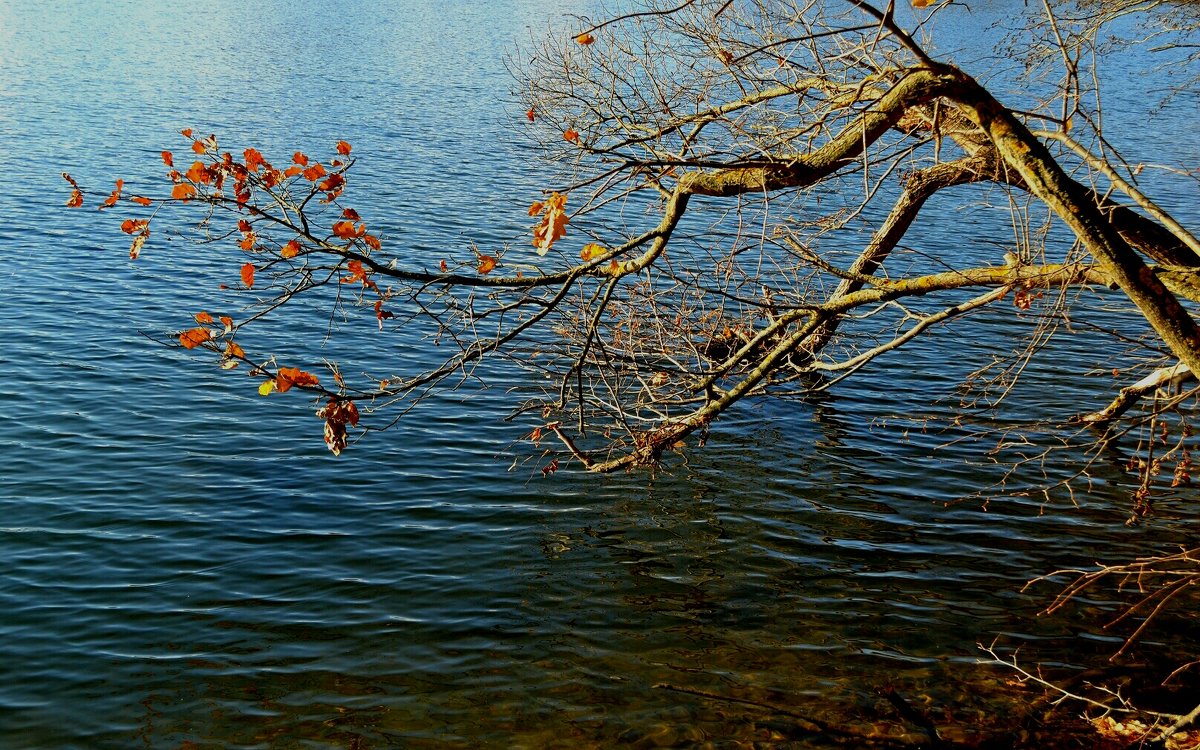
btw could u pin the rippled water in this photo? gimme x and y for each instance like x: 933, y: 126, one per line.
x: 185, y: 563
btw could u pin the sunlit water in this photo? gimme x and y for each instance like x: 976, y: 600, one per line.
x: 183, y: 562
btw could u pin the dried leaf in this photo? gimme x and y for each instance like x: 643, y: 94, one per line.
x: 248, y: 275
x: 204, y: 317
x: 343, y: 148
x: 135, y: 249
x: 183, y: 192
x: 487, y: 263
x: 585, y: 39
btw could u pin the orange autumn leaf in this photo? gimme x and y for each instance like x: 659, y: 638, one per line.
x: 186, y: 132
x: 198, y: 147
x: 254, y: 159
x: 333, y: 182
x: 591, y: 250
x: 76, y: 199
x: 290, y: 250
x: 183, y: 192
x: 372, y: 241
x: 248, y: 275
x: 351, y: 214
x: 530, y: 114
x: 133, y: 226
x: 343, y: 148
x: 244, y: 226
x: 203, y: 317
x: 194, y: 337
x: 444, y: 268
x: 168, y: 159
x: 357, y: 272
x: 228, y: 323
x: 293, y: 170
x: 198, y: 173
x: 247, y: 242
x: 314, y: 173
x: 290, y: 376
x: 585, y: 39
x: 142, y: 201
x: 571, y: 135
x: 114, y: 196
x: 486, y: 264
x: 300, y: 158
x: 233, y: 350
x: 346, y: 230
x: 553, y: 225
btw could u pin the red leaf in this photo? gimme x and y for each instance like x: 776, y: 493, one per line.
x: 314, y: 173
x: 300, y: 158
x: 445, y: 268
x: 530, y: 114
x: 76, y: 199
x: 186, y: 132
x: 343, y: 148
x: 351, y: 214
x: 244, y: 226
x: 248, y: 275
x: 168, y: 159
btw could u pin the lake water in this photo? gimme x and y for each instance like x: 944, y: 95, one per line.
x: 185, y: 565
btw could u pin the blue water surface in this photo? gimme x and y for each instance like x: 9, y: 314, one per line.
x: 185, y: 565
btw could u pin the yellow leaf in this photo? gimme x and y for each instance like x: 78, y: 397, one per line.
x: 266, y: 388
x: 592, y: 250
